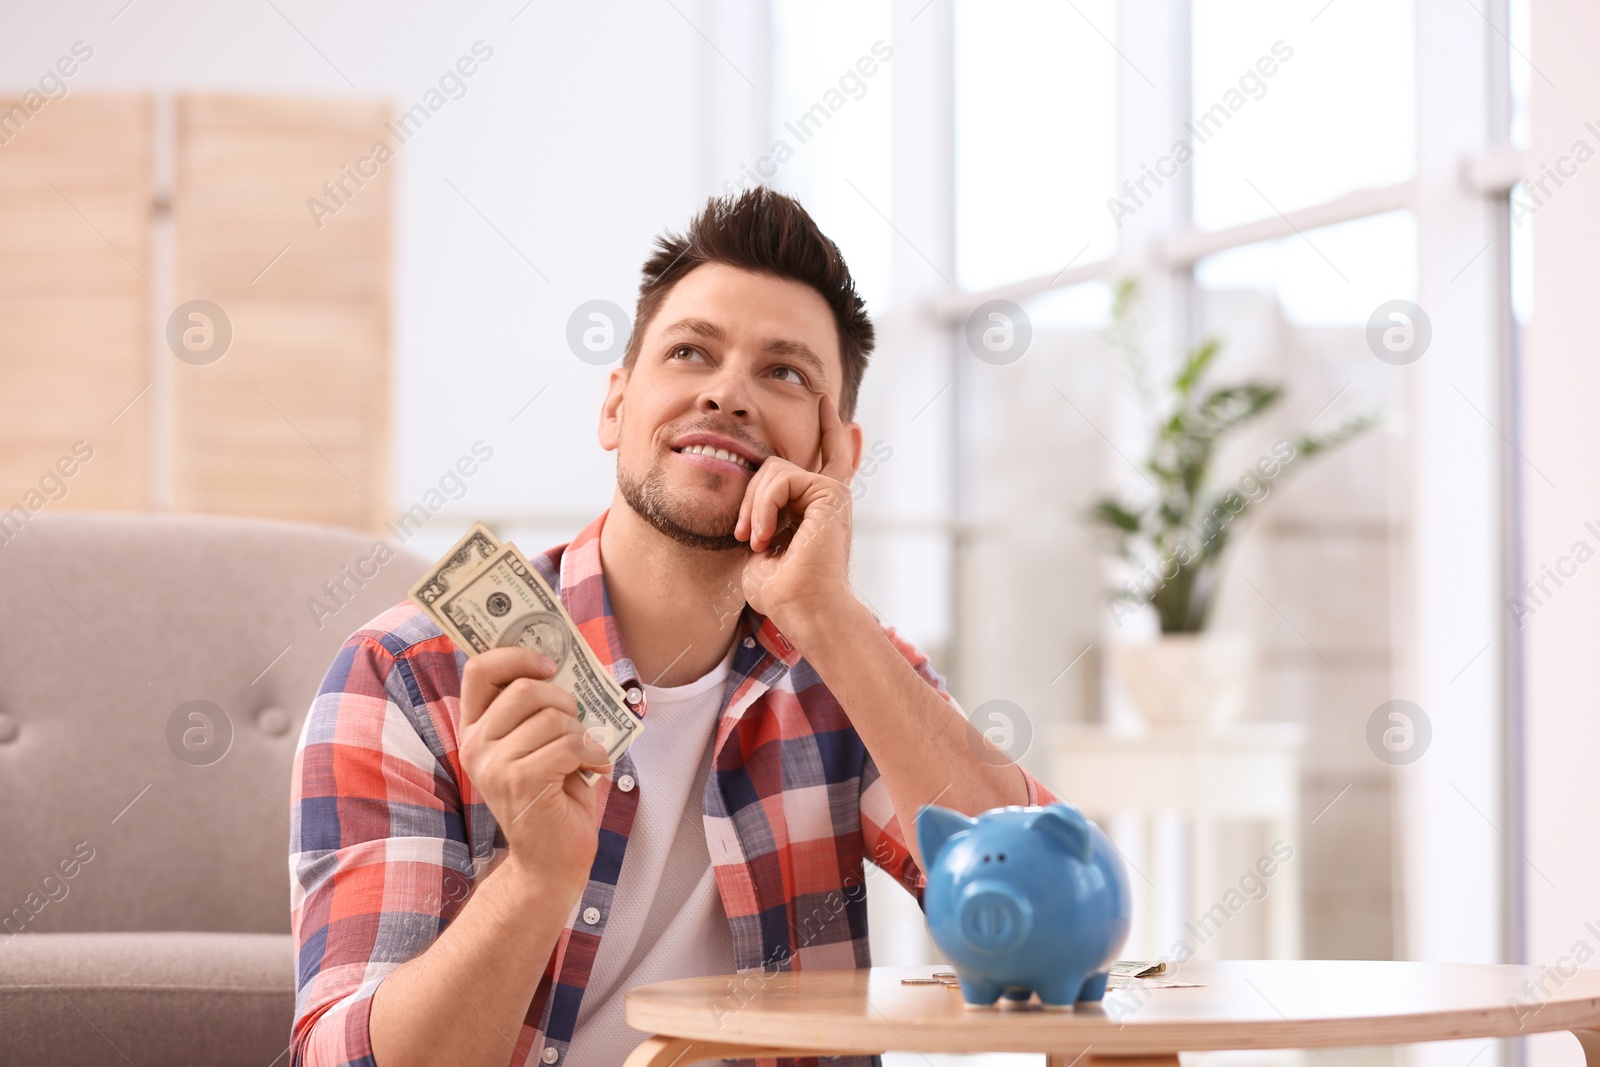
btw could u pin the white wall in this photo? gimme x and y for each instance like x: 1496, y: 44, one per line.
x: 1563, y: 382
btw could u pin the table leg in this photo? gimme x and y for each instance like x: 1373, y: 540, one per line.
x: 1590, y: 1040
x: 1067, y: 1059
x: 656, y: 1052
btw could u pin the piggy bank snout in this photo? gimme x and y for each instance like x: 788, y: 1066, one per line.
x: 993, y: 917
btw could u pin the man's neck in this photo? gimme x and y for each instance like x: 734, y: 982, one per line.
x: 676, y: 607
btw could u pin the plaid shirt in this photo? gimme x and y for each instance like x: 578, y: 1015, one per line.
x: 389, y: 834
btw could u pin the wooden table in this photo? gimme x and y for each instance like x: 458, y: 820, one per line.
x: 1242, y: 1004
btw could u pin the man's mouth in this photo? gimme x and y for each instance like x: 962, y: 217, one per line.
x: 713, y: 453
x: 719, y: 452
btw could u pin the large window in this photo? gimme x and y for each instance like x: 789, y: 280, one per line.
x: 1324, y: 187
x: 832, y: 96
x: 1035, y: 120
x: 1298, y: 105
x: 1333, y: 275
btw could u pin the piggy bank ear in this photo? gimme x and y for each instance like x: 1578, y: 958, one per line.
x: 1066, y: 824
x: 935, y: 826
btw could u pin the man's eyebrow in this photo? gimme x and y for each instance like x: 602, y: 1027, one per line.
x: 697, y: 327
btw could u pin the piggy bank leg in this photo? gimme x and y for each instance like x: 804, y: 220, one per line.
x: 1015, y: 997
x: 1060, y: 993
x: 1094, y: 987
x: 979, y: 994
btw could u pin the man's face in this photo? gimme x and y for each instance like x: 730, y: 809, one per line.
x: 732, y: 360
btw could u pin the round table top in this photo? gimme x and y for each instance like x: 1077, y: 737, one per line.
x: 1238, y: 1004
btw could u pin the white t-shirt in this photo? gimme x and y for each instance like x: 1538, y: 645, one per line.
x: 666, y: 919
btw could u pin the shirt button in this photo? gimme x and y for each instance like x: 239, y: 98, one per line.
x: 749, y: 642
x: 591, y: 915
x: 625, y: 783
x: 634, y: 696
x: 549, y: 1055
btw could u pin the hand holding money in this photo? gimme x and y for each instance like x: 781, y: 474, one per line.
x: 525, y: 753
x: 485, y: 595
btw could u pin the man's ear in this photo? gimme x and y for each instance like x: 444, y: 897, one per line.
x: 854, y: 430
x: 610, y: 431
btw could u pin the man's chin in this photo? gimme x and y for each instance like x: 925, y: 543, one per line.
x: 696, y: 533
x: 694, y: 523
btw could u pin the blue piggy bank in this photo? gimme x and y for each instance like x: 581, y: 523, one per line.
x: 1024, y: 900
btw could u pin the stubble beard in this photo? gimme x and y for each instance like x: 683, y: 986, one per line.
x: 695, y: 527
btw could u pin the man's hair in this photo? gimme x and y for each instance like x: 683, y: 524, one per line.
x: 762, y: 230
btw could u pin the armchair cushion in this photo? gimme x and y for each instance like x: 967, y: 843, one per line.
x: 146, y: 998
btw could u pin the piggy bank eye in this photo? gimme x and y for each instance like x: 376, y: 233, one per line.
x: 986, y: 857
x: 1002, y: 857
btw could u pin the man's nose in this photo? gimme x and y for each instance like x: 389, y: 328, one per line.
x: 727, y: 393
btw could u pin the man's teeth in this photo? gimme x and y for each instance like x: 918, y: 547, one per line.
x: 720, y: 453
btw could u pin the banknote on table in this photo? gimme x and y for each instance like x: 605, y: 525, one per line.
x: 485, y: 595
x: 1139, y: 968
x: 1123, y: 974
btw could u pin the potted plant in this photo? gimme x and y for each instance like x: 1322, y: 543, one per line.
x: 1175, y: 539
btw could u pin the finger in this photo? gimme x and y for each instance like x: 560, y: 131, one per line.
x: 487, y: 673
x: 742, y: 526
x: 835, y: 443
x: 573, y: 750
x: 589, y: 742
x: 753, y: 505
x: 534, y: 732
x: 770, y: 469
x: 587, y: 745
x: 595, y: 757
x: 581, y: 791
x: 770, y: 502
x: 521, y: 699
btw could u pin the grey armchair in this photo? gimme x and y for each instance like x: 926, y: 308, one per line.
x: 154, y: 674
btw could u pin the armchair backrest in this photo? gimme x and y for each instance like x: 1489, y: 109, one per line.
x: 154, y: 674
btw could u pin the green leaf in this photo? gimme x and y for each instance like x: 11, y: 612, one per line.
x: 1309, y: 444
x: 1113, y: 514
x: 1124, y: 295
x: 1195, y: 366
x: 1234, y: 405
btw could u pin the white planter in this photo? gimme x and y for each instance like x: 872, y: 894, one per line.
x: 1188, y: 679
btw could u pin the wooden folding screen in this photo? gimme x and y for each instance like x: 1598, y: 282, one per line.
x: 291, y: 421
x: 75, y: 204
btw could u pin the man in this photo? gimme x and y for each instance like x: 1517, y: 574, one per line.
x: 460, y: 895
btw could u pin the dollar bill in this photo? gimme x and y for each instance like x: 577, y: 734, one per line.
x: 1139, y: 968
x: 475, y: 546
x: 500, y: 601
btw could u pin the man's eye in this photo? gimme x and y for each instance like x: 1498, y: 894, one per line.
x: 681, y: 349
x: 798, y: 379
